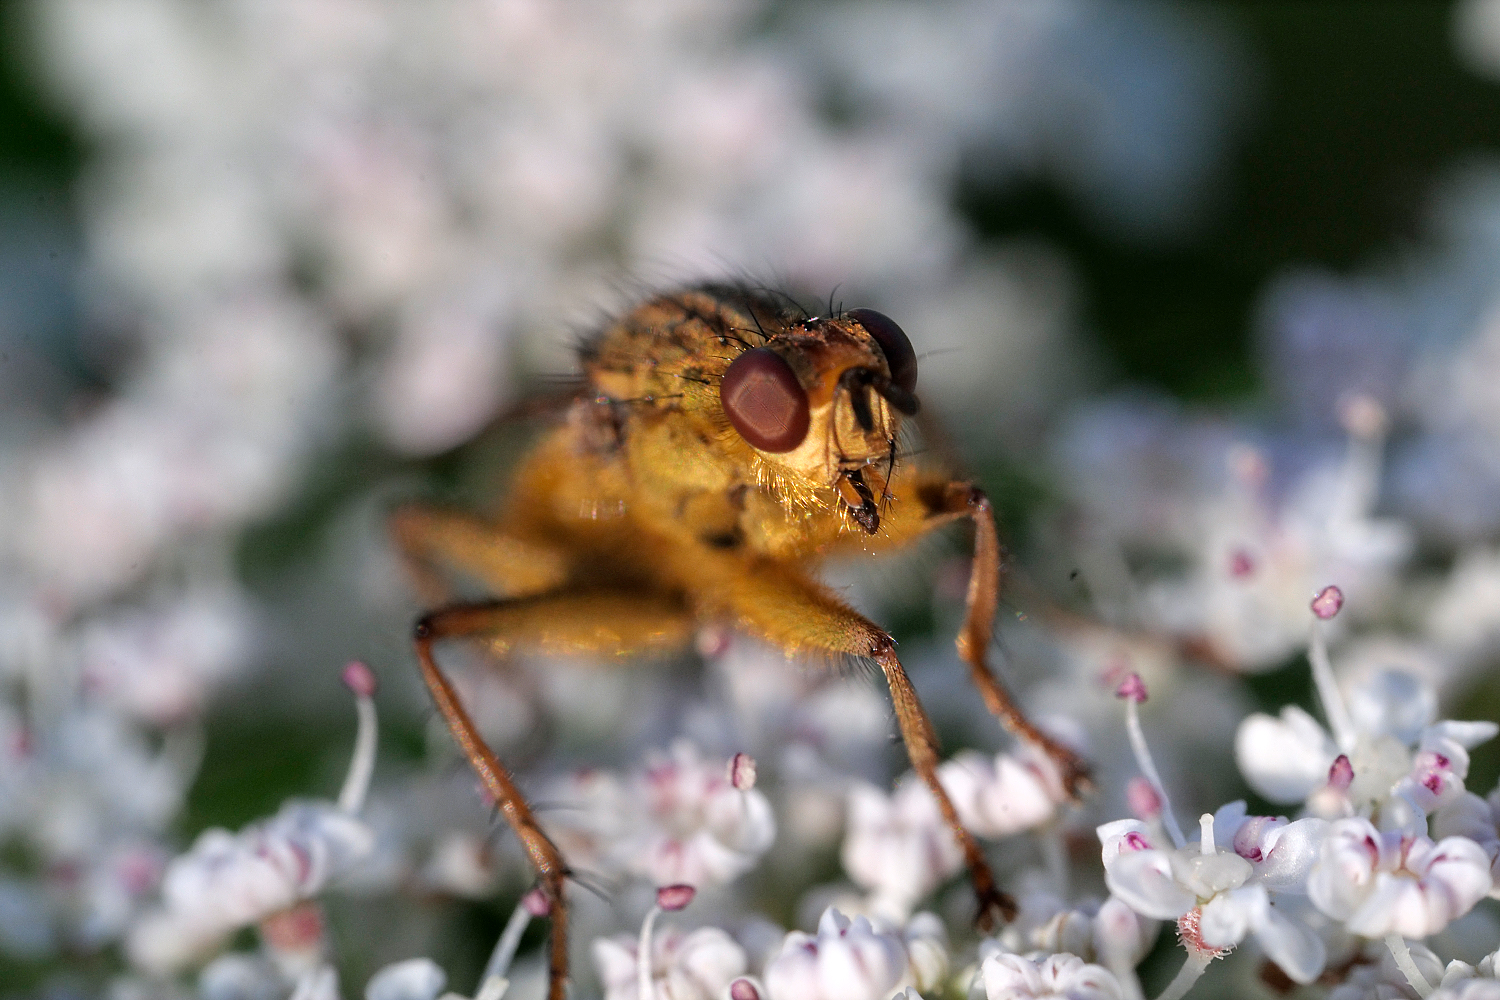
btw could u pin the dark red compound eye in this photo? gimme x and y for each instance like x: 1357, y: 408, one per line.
x: 764, y: 400
x: 893, y: 344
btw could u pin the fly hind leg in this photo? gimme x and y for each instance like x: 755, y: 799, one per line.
x: 583, y: 622
x: 438, y: 543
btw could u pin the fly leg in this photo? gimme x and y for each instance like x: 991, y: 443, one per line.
x: 960, y: 499
x: 597, y: 622
x: 436, y: 543
x: 796, y: 614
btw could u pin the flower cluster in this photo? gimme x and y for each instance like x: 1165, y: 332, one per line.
x: 325, y: 242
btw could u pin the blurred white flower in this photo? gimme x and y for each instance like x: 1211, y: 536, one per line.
x: 695, y: 827
x: 160, y: 664
x: 999, y: 796
x: 413, y: 979
x: 845, y: 960
x: 1056, y: 977
x: 227, y: 881
x: 1256, y: 561
x: 1476, y: 819
x: 897, y: 846
x: 1462, y: 981
x: 1109, y: 933
x: 1376, y: 976
x: 1380, y: 883
x: 1467, y: 989
x: 685, y: 965
x: 1401, y: 764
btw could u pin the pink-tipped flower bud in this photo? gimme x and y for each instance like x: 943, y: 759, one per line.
x: 1249, y: 465
x: 536, y: 902
x: 713, y: 641
x: 742, y: 771
x: 298, y: 928
x: 743, y: 989
x: 1141, y: 796
x: 1133, y: 688
x: 675, y: 897
x: 1241, y: 564
x: 360, y: 679
x: 1362, y: 416
x: 1341, y: 774
x: 1327, y: 602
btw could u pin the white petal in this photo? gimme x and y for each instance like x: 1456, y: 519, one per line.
x: 1143, y: 881
x: 1467, y: 734
x: 1116, y: 837
x: 1292, y: 945
x: 614, y: 957
x: 1121, y: 936
x: 1010, y: 977
x: 1393, y: 906
x: 413, y: 979
x: 705, y: 963
x: 1392, y: 703
x: 1226, y: 919
x: 1284, y: 759
x: 1293, y: 850
x: 1227, y: 822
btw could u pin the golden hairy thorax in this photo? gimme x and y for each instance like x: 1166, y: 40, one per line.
x: 725, y: 442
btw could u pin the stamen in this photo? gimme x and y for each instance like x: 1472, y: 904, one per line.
x: 493, y: 984
x: 1133, y: 690
x: 1325, y: 606
x: 361, y: 680
x: 1206, y: 835
x: 1359, y: 484
x: 742, y: 771
x: 668, y: 897
x: 1341, y: 774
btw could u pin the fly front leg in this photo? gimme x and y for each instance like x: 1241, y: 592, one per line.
x: 921, y: 502
x: 949, y: 501
x: 796, y: 614
x: 599, y: 622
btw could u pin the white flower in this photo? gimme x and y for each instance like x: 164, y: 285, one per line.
x: 413, y: 979
x: 1478, y: 820
x: 227, y: 881
x: 1403, y: 764
x: 1057, y: 977
x: 1462, y: 981
x: 1222, y: 894
x: 1108, y: 933
x: 926, y: 951
x: 845, y: 960
x: 1468, y: 989
x: 1376, y: 977
x: 1388, y: 882
x: 679, y: 820
x: 695, y: 827
x: 1257, y: 563
x: 160, y: 664
x: 1005, y: 794
x: 696, y: 965
x: 897, y: 846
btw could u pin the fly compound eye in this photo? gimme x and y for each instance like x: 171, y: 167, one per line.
x: 893, y: 344
x: 764, y: 400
